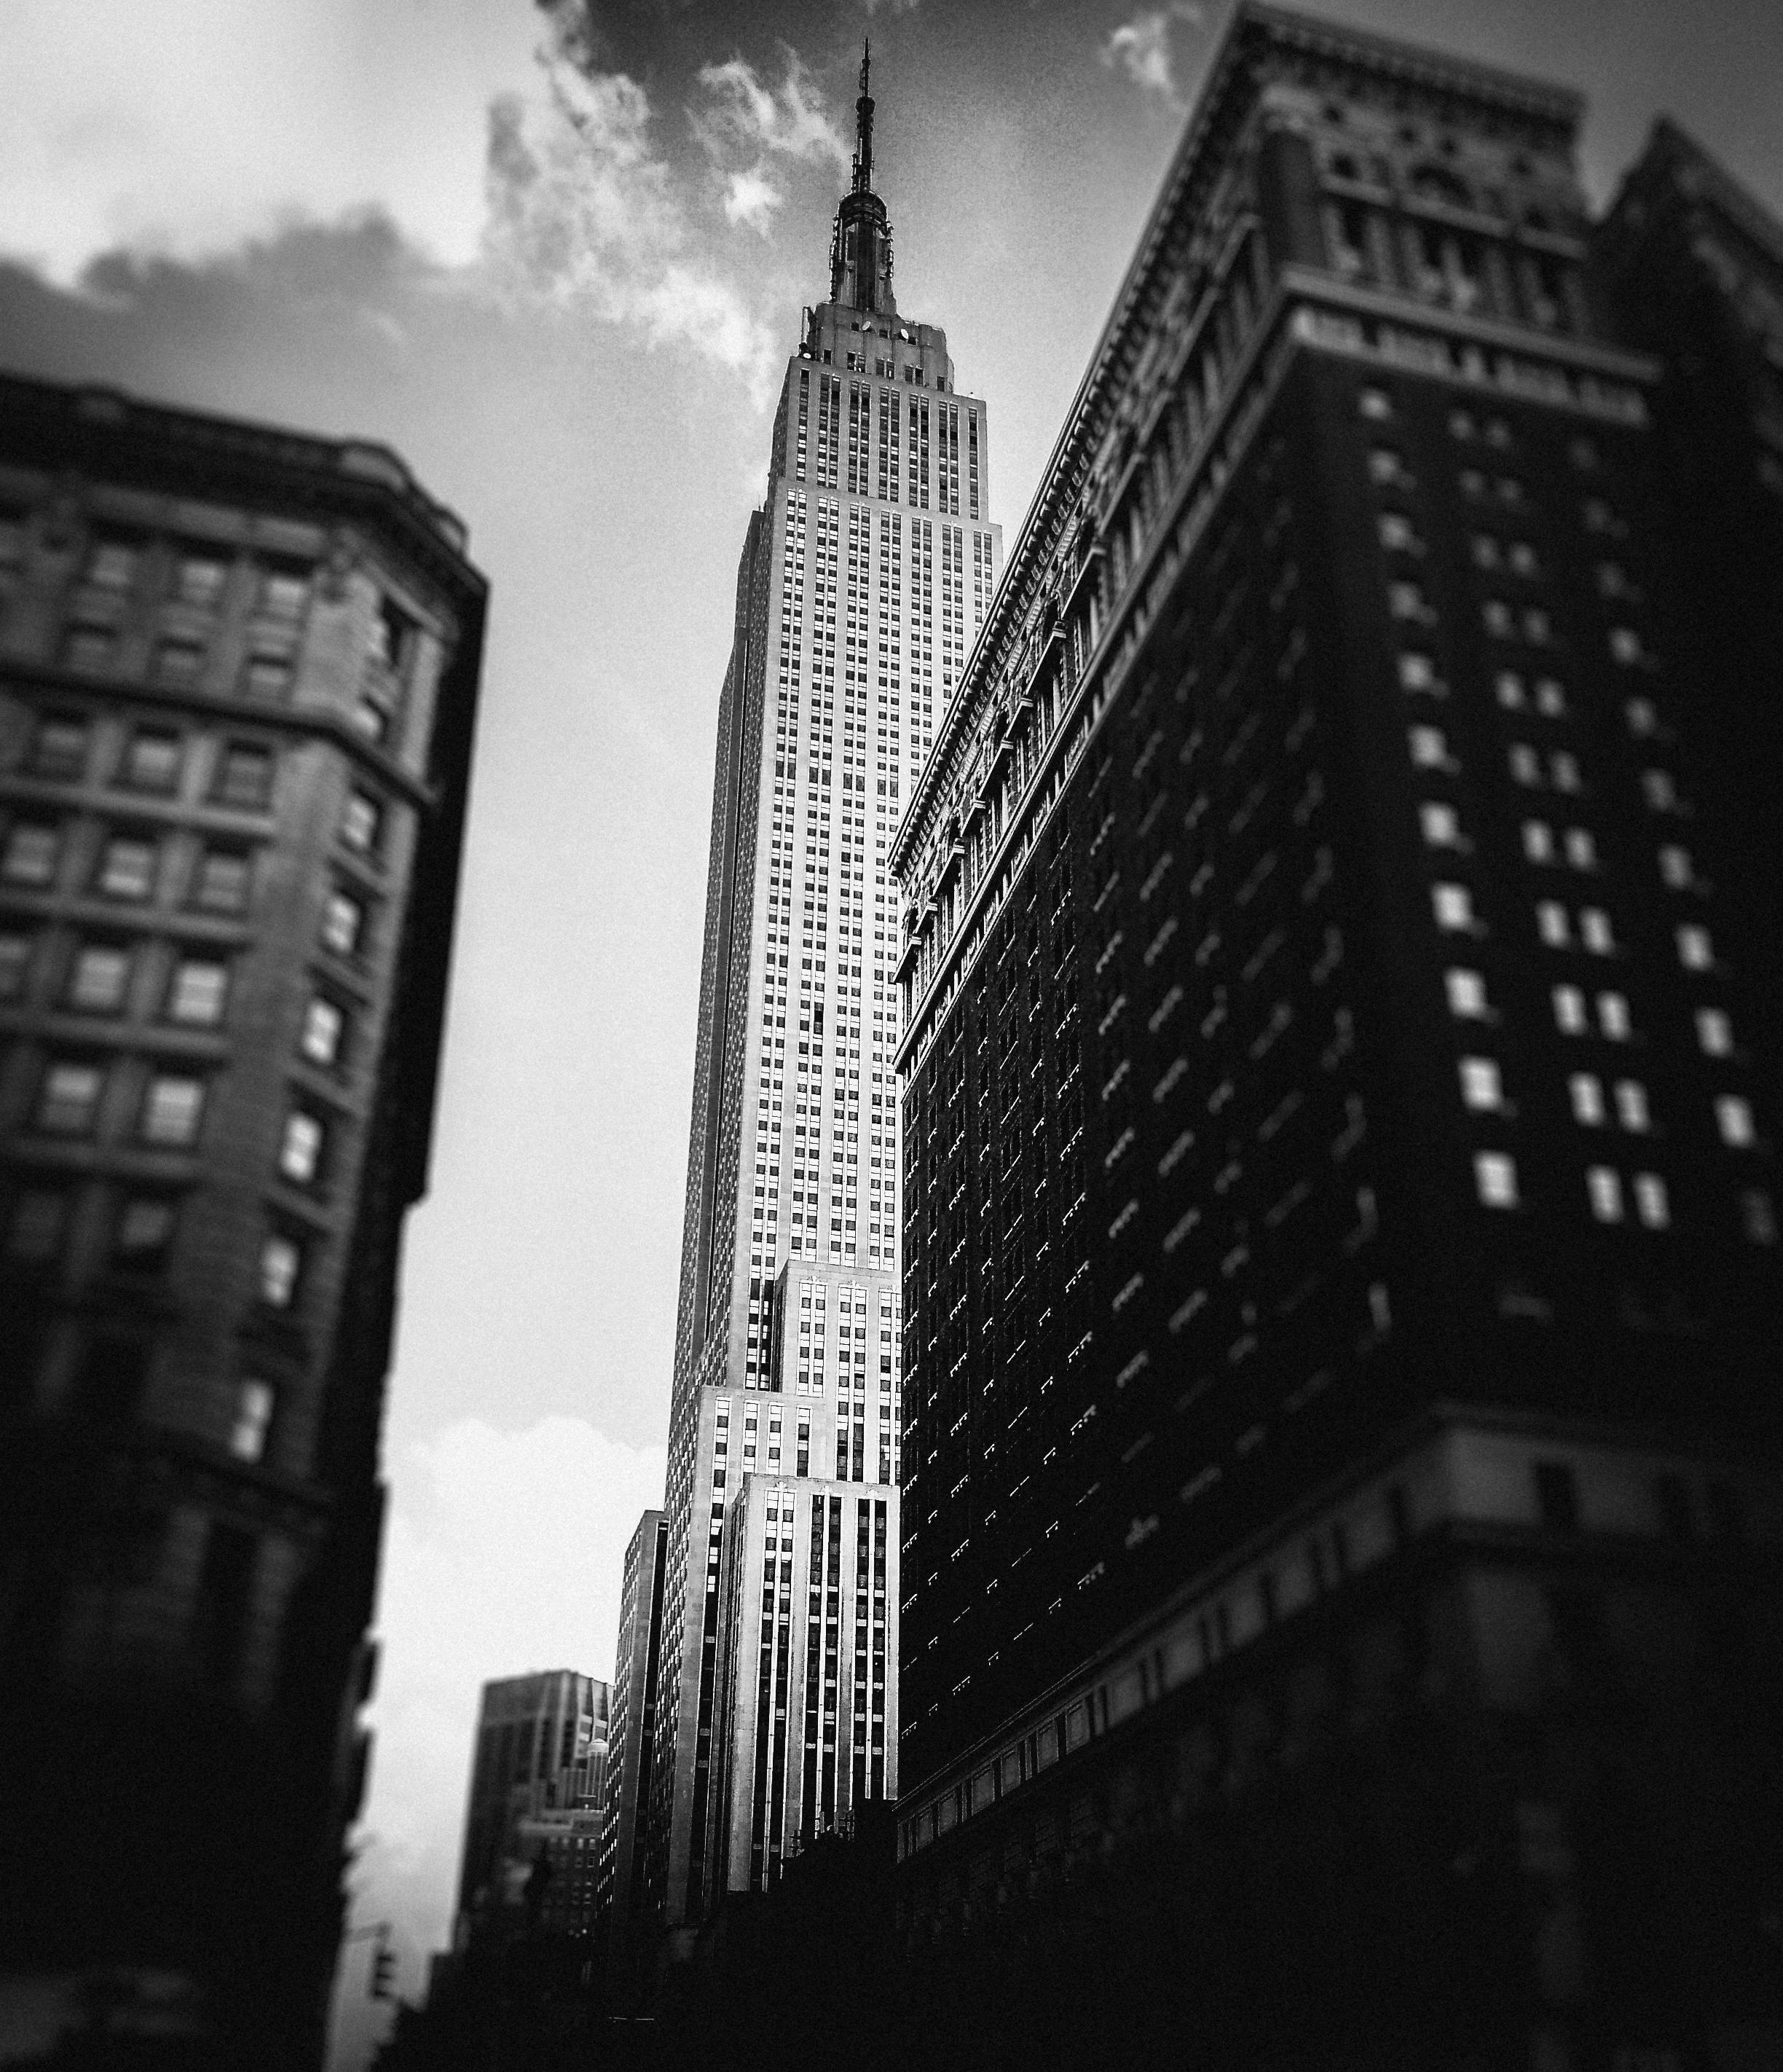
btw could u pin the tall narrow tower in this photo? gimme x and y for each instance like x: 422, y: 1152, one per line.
x: 865, y: 577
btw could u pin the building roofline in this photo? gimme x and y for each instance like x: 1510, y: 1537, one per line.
x: 225, y: 455
x: 1669, y: 141
x: 1562, y: 105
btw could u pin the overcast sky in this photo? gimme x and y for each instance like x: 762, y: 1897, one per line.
x: 557, y: 259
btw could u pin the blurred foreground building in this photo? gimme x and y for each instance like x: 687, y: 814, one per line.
x: 1340, y: 1612
x: 632, y: 1734
x: 238, y: 682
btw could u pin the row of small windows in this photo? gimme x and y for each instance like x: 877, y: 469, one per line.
x: 1496, y: 1185
x: 153, y: 759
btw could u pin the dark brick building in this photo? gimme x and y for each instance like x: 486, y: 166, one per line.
x: 238, y: 679
x: 1341, y: 1250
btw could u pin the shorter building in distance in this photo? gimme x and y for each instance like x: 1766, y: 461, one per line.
x: 238, y: 684
x: 620, y: 1865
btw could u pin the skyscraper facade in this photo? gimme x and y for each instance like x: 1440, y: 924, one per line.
x: 864, y: 579
x: 238, y: 681
x: 1340, y: 1235
x: 631, y: 1733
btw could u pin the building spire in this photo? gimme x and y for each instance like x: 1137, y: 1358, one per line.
x: 860, y: 257
x: 863, y: 124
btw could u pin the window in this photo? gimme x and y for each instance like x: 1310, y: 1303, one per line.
x: 244, y: 775
x: 1595, y: 930
x: 1614, y: 1018
x: 1569, y: 1010
x: 221, y: 885
x: 15, y: 965
x: 1453, y: 908
x: 1429, y: 750
x: 1538, y: 842
x: 372, y: 719
x: 1603, y: 1189
x: 391, y: 633
x: 1482, y: 1085
x: 1495, y: 1179
x: 143, y: 1233
x: 151, y: 762
x: 1624, y: 646
x: 1758, y: 1216
x: 254, y: 1419
x: 111, y: 564
x: 89, y: 647
x: 1660, y: 792
x: 1715, y: 1032
x: 30, y: 853
x: 324, y: 1023
x: 1417, y: 672
x: 68, y: 1102
x: 300, y: 1149
x: 1441, y: 826
x: 1632, y: 1110
x: 1397, y: 533
x: 1733, y: 1117
x: 200, y: 579
x: 198, y: 992
x: 97, y: 983
x: 1551, y: 924
x: 283, y: 592
x: 1651, y: 1204
x: 1696, y: 951
x: 266, y: 677
x: 1467, y: 995
x: 343, y: 921
x: 178, y: 662
x: 1405, y: 600
x: 1525, y: 765
x: 59, y: 747
x: 280, y: 1263
x: 1581, y: 849
x: 362, y: 823
x: 172, y: 1109
x: 1587, y: 1094
x: 126, y: 867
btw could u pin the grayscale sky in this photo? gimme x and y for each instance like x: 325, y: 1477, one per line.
x: 556, y: 257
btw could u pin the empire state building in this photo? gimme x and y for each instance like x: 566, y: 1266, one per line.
x: 865, y: 577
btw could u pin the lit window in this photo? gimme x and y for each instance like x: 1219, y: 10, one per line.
x: 1715, y: 1032
x: 1550, y: 924
x: 198, y: 992
x: 1631, y: 1105
x: 1651, y: 1203
x: 1396, y: 532
x: 342, y: 922
x: 1758, y: 1216
x: 1641, y: 716
x: 324, y: 1026
x: 1453, y: 906
x: 172, y: 1110
x: 1374, y: 403
x: 30, y: 855
x: 1594, y: 927
x: 280, y: 1260
x: 300, y: 1150
x: 1563, y: 767
x: 1569, y: 1010
x: 1486, y: 554
x: 1525, y: 765
x: 1587, y: 1095
x: 1405, y: 600
x: 151, y: 762
x: 1481, y: 1084
x: 1523, y: 558
x: 1496, y: 615
x: 1467, y: 995
x: 1537, y: 628
x: 1603, y: 1185
x: 1659, y: 791
x: 126, y: 868
x: 1441, y: 826
x: 1581, y: 849
x: 1733, y: 1116
x: 284, y: 593
x: 253, y: 1419
x: 1551, y: 700
x: 100, y: 975
x: 1508, y: 688
x: 1674, y: 867
x: 111, y: 564
x: 1495, y: 1178
x: 1417, y: 672
x: 1696, y: 951
x: 1538, y: 842
x: 68, y: 1099
x: 1612, y: 1016
x: 1624, y: 646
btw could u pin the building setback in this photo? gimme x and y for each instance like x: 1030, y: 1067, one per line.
x: 1340, y: 1239
x: 864, y: 579
x: 238, y: 678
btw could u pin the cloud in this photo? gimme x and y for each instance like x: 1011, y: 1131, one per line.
x: 1141, y: 48
x: 748, y: 118
x: 752, y: 197
x: 504, y: 1554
